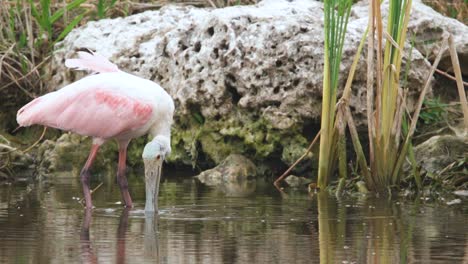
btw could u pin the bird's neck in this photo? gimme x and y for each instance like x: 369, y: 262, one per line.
x: 161, y: 132
x: 160, y: 129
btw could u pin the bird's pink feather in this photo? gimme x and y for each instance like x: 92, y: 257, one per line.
x: 91, y: 61
x: 96, y: 112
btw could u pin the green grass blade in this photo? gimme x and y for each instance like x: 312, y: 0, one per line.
x: 71, y: 6
x: 101, y: 11
x: 69, y: 27
x: 47, y: 24
x: 35, y: 13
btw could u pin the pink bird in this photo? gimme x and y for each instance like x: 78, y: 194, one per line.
x: 108, y: 105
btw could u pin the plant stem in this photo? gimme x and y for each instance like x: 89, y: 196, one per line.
x: 458, y: 76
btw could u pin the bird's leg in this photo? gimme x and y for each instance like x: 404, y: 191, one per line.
x: 121, y: 178
x: 85, y: 175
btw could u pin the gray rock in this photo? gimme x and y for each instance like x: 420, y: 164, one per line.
x: 70, y: 151
x: 235, y: 176
x: 17, y: 165
x: 296, y: 182
x: 463, y: 193
x: 438, y: 152
x: 235, y: 168
x: 428, y: 28
x: 245, y: 79
x: 454, y: 201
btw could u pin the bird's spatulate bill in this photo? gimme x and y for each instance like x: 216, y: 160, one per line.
x: 152, y: 177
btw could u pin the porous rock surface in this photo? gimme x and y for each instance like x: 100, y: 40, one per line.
x: 428, y: 28
x: 234, y: 169
x: 438, y: 152
x: 245, y: 79
x: 234, y: 176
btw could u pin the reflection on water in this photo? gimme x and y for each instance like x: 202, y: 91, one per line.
x: 199, y: 224
x: 87, y: 253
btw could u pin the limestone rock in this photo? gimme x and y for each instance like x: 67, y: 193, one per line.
x: 428, y: 28
x: 438, y: 152
x: 296, y: 182
x: 16, y: 161
x: 235, y: 168
x: 245, y: 79
x: 69, y: 153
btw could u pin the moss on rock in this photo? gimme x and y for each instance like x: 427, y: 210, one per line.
x: 70, y: 151
x: 212, y: 141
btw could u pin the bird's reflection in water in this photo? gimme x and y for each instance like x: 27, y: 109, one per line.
x: 151, y: 248
x: 87, y: 253
x: 121, y: 236
x: 151, y: 245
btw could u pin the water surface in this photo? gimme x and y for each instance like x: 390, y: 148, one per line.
x: 44, y: 223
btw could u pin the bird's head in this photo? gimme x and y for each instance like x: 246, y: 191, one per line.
x: 154, y: 154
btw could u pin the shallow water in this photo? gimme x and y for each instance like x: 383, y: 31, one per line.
x: 199, y: 224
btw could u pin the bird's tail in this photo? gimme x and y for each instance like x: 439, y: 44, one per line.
x: 91, y: 61
x: 27, y: 114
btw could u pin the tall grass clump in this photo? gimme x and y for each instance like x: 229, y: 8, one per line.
x: 389, y: 132
x: 28, y: 31
x: 336, y: 14
x: 386, y: 106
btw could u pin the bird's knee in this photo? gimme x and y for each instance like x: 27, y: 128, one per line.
x: 123, y: 183
x: 84, y: 177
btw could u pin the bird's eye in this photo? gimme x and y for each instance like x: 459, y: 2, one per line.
x: 158, y: 157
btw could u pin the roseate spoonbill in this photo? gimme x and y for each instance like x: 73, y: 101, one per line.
x: 108, y: 105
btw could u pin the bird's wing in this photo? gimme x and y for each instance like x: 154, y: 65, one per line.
x: 93, y: 62
x: 97, y: 112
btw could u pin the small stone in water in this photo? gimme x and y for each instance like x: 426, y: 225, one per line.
x: 119, y: 202
x: 461, y: 192
x: 455, y: 201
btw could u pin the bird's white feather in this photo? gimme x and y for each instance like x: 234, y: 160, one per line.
x: 93, y: 62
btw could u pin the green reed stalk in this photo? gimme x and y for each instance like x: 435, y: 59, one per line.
x: 336, y: 14
x: 385, y: 129
x: 459, y: 78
